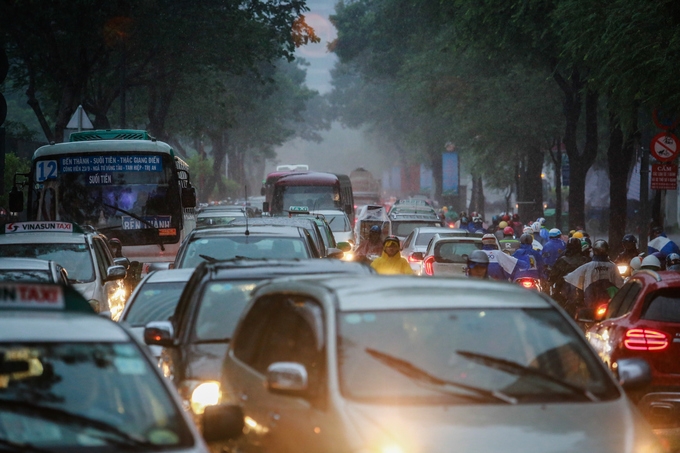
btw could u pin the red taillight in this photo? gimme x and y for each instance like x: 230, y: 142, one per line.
x: 527, y: 282
x: 428, y: 265
x: 645, y: 340
x: 411, y: 259
x: 600, y: 311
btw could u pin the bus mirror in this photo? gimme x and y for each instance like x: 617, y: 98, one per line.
x: 16, y: 200
x: 348, y: 209
x: 189, y: 197
x: 265, y: 206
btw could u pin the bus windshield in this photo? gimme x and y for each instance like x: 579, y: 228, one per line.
x: 313, y: 197
x: 135, y: 196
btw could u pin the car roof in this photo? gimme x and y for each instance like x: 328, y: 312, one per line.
x: 43, y: 238
x: 661, y: 279
x: 431, y: 229
x: 25, y: 263
x: 58, y: 327
x: 272, y: 268
x: 169, y: 275
x: 276, y: 221
x: 254, y: 230
x: 375, y: 292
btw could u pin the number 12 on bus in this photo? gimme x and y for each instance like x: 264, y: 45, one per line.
x: 123, y: 183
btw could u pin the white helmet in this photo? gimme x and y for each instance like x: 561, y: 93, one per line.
x: 536, y: 227
x: 635, y: 263
x: 651, y: 262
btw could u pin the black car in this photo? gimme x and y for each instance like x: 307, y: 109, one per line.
x: 196, y: 337
x: 254, y: 241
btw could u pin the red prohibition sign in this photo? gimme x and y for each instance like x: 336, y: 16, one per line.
x: 664, y: 147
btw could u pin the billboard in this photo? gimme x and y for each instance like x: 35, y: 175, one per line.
x: 450, y: 173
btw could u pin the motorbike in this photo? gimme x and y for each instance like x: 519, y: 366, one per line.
x: 529, y: 283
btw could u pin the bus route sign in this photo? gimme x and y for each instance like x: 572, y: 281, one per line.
x: 664, y: 147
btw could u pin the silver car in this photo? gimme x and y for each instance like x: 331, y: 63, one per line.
x: 404, y: 364
x: 417, y: 242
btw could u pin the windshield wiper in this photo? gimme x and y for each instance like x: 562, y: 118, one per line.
x: 209, y: 259
x: 522, y: 370
x: 60, y: 416
x: 410, y: 370
x: 136, y: 217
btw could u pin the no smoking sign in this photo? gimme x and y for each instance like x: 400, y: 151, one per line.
x: 664, y: 147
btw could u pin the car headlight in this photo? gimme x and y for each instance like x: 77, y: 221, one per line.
x: 117, y: 295
x: 348, y: 256
x: 197, y: 395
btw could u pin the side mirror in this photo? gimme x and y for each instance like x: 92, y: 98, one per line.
x: 633, y: 373
x: 16, y: 200
x: 116, y: 272
x: 585, y: 315
x: 265, y: 206
x: 222, y: 422
x: 122, y: 261
x: 344, y: 246
x: 160, y: 333
x: 189, y: 197
x: 332, y: 252
x: 286, y: 377
x: 417, y: 256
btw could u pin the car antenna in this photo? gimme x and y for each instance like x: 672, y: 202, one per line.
x: 245, y: 211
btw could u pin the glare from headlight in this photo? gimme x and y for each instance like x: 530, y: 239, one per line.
x: 348, y: 256
x: 206, y: 394
x: 622, y: 268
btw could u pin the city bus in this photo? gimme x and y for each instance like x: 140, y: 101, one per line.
x: 123, y: 183
x: 315, y: 190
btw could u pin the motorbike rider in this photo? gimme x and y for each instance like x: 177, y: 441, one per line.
x: 478, y: 265
x: 501, y: 266
x: 534, y: 244
x: 391, y: 262
x: 650, y: 263
x: 509, y: 244
x: 532, y: 260
x: 372, y: 246
x: 673, y: 262
x: 586, y: 249
x: 565, y: 264
x: 593, y: 283
x: 630, y: 251
x: 658, y: 242
x: 554, y: 248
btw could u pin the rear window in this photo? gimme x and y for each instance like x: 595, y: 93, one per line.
x: 404, y: 228
x: 424, y: 238
x: 455, y: 252
x: 224, y: 248
x: 663, y: 305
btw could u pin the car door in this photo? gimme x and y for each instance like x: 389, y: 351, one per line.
x: 292, y: 332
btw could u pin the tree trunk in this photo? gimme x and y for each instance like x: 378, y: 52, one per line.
x: 437, y: 176
x: 533, y: 189
x: 477, y: 198
x: 620, y: 158
x: 557, y: 160
x: 218, y: 154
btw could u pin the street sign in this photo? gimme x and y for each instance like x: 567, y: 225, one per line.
x: 664, y: 177
x: 664, y: 147
x: 79, y: 120
x: 665, y: 120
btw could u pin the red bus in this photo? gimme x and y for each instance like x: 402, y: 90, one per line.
x: 315, y: 190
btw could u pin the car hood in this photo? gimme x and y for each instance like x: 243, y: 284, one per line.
x: 204, y: 361
x: 86, y: 289
x: 601, y: 427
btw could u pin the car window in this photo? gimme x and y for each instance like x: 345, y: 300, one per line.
x: 153, y: 302
x: 338, y: 223
x: 219, y: 309
x: 409, y: 238
x: 25, y: 275
x: 404, y: 228
x: 103, y: 261
x: 76, y: 258
x: 424, y: 238
x: 228, y: 247
x: 430, y: 356
x: 663, y: 305
x: 455, y: 252
x: 247, y: 340
x: 623, y: 300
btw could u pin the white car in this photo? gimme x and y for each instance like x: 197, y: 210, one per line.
x: 32, y: 270
x: 418, y: 240
x: 85, y: 256
x: 447, y: 256
x: 340, y: 225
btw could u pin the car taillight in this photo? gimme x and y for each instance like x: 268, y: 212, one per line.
x: 412, y: 259
x: 645, y: 340
x: 600, y: 311
x: 428, y: 265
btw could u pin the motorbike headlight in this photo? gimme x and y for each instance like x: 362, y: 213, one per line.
x: 348, y: 256
x: 197, y: 395
x: 622, y: 268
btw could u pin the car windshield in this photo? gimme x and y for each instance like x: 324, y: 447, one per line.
x: 220, y: 308
x: 25, y: 275
x: 403, y: 228
x: 338, y: 223
x: 85, y: 397
x: 75, y: 258
x: 153, y: 302
x: 416, y: 356
x: 229, y: 247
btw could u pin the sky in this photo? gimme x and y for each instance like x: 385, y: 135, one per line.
x: 342, y: 150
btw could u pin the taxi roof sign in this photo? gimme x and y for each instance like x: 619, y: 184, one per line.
x: 41, y: 226
x: 41, y: 297
x: 299, y: 209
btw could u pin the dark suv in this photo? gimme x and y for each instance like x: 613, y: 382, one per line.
x: 196, y: 337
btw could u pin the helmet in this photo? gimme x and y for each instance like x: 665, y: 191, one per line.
x: 503, y: 224
x: 635, y: 263
x: 571, y: 233
x: 478, y: 257
x: 391, y: 239
x: 554, y: 233
x: 528, y: 230
x: 477, y: 219
x: 577, y: 234
x: 601, y: 248
x: 541, y: 220
x: 672, y: 259
x: 464, y: 219
x: 536, y: 227
x: 585, y: 245
x: 375, y: 229
x: 506, y: 217
x: 629, y: 238
x: 574, y: 245
x: 526, y: 238
x: 508, y: 230
x: 515, y: 217
x: 651, y: 262
x: 489, y: 239
x: 656, y: 231
x: 584, y: 233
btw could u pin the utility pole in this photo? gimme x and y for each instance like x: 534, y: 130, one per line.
x: 644, y: 198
